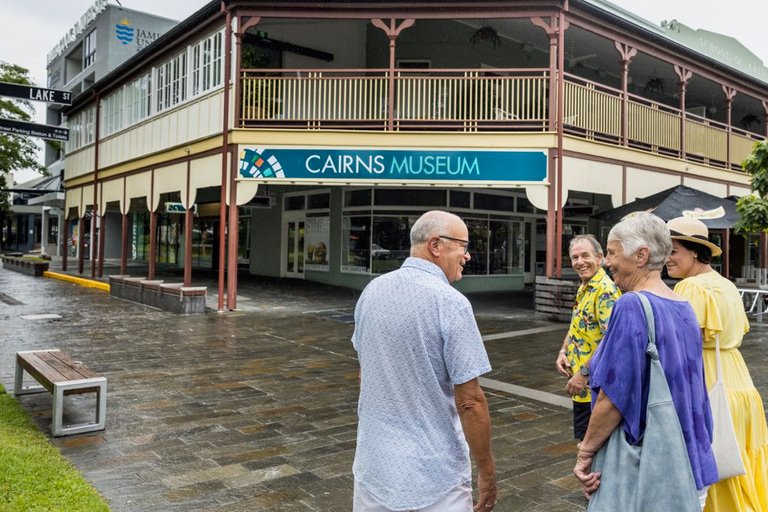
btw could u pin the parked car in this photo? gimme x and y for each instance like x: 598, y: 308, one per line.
x: 379, y: 253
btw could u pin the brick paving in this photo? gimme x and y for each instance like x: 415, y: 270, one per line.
x: 255, y: 409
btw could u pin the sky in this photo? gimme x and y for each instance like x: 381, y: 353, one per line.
x: 30, y: 28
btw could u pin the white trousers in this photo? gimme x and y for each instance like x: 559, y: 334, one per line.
x: 458, y: 500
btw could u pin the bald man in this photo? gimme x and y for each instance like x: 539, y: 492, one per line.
x: 421, y: 411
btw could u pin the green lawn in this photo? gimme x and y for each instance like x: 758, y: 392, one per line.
x: 34, y: 476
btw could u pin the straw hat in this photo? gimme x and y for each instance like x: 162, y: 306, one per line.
x: 692, y: 230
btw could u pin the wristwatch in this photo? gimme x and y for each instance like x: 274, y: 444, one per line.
x: 584, y: 370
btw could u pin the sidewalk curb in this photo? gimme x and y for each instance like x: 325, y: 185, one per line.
x: 77, y: 280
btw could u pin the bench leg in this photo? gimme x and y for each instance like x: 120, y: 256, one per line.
x: 18, y: 384
x: 57, y: 427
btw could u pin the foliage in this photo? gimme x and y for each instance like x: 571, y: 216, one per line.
x: 754, y: 209
x: 33, y: 474
x: 16, y: 153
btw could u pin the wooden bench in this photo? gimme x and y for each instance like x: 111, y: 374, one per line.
x: 62, y: 376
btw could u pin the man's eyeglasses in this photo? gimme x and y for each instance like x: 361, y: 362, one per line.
x: 465, y: 242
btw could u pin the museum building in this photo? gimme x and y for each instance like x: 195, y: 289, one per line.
x: 302, y: 141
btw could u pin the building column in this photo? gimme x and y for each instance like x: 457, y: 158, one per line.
x: 124, y: 246
x: 392, y: 31
x: 726, y: 253
x: 59, y: 236
x: 44, y: 229
x: 80, y: 239
x: 152, y: 244
x: 683, y: 75
x: 102, y: 234
x: 626, y: 52
x: 729, y: 95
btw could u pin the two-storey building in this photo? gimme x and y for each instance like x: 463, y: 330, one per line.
x: 304, y: 140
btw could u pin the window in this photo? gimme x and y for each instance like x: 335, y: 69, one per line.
x: 172, y: 82
x: 357, y: 197
x: 319, y: 201
x: 112, y: 113
x: 207, y: 64
x: 410, y: 197
x: 81, y: 129
x: 138, y: 99
x: 356, y: 243
x: 89, y: 49
x: 294, y: 203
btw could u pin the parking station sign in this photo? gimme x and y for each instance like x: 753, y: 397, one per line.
x: 422, y: 166
x: 42, y: 131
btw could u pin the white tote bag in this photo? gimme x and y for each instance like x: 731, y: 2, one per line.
x: 724, y: 444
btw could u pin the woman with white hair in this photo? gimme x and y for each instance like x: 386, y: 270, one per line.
x: 620, y: 370
x: 720, y: 314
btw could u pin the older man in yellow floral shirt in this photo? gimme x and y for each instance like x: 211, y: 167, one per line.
x: 589, y: 321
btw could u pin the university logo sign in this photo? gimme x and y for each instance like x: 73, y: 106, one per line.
x: 399, y: 165
x: 124, y: 31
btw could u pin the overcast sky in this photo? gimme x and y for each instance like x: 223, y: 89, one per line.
x: 30, y: 28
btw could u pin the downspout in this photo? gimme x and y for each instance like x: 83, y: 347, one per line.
x: 224, y: 156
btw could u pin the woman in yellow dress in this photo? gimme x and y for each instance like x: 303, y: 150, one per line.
x: 719, y: 309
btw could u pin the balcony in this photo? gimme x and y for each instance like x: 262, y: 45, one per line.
x: 481, y: 100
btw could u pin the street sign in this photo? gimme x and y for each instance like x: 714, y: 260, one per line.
x: 27, y: 92
x: 42, y: 131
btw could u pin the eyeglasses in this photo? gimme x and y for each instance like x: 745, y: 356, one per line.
x: 466, y: 242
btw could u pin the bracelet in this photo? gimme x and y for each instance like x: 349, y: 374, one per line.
x: 562, y: 351
x: 580, y: 449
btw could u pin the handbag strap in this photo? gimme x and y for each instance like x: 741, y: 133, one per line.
x: 651, y: 349
x: 717, y: 338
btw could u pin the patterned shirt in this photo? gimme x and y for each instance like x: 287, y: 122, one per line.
x: 416, y: 338
x: 589, y: 321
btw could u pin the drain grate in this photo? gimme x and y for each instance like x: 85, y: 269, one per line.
x: 48, y: 316
x: 10, y: 300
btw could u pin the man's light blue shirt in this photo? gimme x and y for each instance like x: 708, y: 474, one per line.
x: 416, y: 338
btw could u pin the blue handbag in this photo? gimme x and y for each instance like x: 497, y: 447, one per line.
x: 655, y: 475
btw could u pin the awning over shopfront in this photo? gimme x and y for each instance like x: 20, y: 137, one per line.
x: 680, y: 201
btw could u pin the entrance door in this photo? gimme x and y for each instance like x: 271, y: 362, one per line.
x: 293, y: 245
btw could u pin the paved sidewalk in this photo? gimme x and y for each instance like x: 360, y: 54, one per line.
x: 255, y: 409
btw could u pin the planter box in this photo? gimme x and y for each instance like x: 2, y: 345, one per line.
x: 554, y: 298
x: 173, y: 297
x: 32, y: 268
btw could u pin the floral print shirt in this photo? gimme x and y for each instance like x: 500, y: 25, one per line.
x: 589, y: 321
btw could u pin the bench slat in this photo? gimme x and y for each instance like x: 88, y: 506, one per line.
x: 67, y: 366
x: 40, y: 370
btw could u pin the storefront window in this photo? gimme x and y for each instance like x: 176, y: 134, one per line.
x: 507, y: 241
x: 319, y: 201
x: 357, y: 197
x: 460, y: 199
x: 410, y: 197
x: 494, y: 202
x: 316, y: 243
x: 294, y: 203
x: 391, y: 242
x: 478, y: 247
x: 356, y: 244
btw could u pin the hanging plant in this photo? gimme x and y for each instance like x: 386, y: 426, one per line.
x: 486, y: 33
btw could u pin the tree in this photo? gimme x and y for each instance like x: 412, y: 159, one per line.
x: 754, y: 209
x: 16, y: 153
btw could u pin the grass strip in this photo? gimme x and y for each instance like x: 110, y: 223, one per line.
x: 34, y: 476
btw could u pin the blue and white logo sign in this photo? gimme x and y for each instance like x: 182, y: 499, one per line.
x: 124, y: 31
x: 393, y: 165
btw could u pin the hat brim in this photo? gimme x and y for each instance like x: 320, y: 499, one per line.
x: 716, y: 251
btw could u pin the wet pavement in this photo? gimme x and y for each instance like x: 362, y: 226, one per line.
x: 255, y: 409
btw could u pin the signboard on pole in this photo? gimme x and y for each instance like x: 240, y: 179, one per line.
x: 28, y: 92
x: 42, y: 131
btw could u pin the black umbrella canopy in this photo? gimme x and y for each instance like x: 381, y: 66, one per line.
x: 715, y: 212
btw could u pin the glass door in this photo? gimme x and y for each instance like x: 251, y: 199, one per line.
x: 293, y: 245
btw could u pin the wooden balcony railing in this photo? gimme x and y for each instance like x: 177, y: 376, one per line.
x: 480, y: 100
